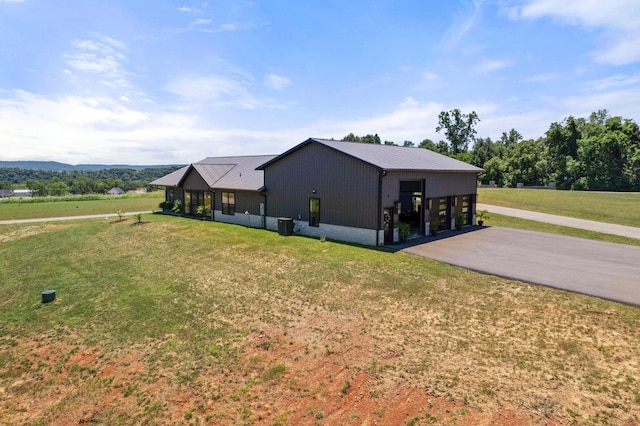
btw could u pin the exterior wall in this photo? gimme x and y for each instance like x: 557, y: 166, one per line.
x: 194, y: 182
x: 334, y: 232
x: 245, y: 201
x: 347, y: 187
x: 437, y: 184
x: 251, y: 220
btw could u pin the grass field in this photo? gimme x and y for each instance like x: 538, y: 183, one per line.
x: 32, y: 208
x: 184, y: 321
x: 531, y: 225
x: 618, y: 208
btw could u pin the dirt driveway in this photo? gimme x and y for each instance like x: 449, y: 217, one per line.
x: 606, y: 270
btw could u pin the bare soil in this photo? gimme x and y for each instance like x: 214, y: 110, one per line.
x: 306, y: 374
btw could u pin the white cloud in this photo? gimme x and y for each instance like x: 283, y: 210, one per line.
x: 620, y: 20
x: 217, y: 90
x: 103, y: 57
x: 463, y: 23
x: 614, y: 81
x: 207, y: 88
x: 185, y: 9
x: 430, y: 77
x: 491, y: 65
x: 542, y: 78
x: 276, y: 82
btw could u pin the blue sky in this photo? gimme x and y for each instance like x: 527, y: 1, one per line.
x: 158, y: 81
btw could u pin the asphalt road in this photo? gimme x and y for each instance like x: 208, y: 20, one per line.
x: 606, y: 270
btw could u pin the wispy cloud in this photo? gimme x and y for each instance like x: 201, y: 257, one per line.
x: 219, y: 90
x: 618, y: 19
x: 103, y: 57
x: 616, y: 81
x: 490, y: 65
x: 276, y: 82
x: 463, y: 23
x: 185, y: 9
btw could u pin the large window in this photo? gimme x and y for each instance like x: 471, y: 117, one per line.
x: 197, y: 202
x: 228, y: 203
x: 314, y: 212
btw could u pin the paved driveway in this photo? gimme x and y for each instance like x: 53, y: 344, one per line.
x: 606, y: 270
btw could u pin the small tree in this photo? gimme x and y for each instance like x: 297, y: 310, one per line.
x: 120, y: 214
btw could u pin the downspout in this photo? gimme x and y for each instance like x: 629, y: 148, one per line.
x: 213, y: 206
x: 263, y: 217
x: 423, y: 214
x: 380, y: 218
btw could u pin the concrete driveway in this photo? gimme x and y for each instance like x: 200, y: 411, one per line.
x: 606, y: 270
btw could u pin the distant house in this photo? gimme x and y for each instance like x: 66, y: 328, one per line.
x: 6, y: 193
x: 115, y: 191
x: 346, y: 191
x: 138, y: 191
x: 22, y: 193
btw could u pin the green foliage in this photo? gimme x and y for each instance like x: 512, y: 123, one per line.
x: 459, y: 128
x: 49, y: 182
x: 482, y: 215
x: 601, y: 153
x: 435, y: 223
x: 526, y: 164
x: 404, y: 229
x: 375, y: 139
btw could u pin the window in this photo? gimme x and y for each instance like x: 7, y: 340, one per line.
x: 198, y: 202
x: 228, y: 203
x: 314, y: 212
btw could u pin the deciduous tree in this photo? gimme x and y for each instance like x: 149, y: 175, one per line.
x: 458, y: 128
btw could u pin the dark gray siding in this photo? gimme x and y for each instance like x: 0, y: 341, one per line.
x: 437, y: 184
x: 347, y: 187
x: 245, y: 200
x: 194, y: 182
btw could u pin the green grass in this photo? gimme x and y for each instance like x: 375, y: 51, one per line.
x: 531, y: 225
x: 196, y: 301
x: 619, y: 208
x: 33, y: 208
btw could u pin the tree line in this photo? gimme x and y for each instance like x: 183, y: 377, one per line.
x: 601, y: 152
x: 47, y: 182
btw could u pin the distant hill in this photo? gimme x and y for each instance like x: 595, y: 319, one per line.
x: 55, y: 166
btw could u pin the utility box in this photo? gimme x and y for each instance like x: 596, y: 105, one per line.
x: 285, y: 226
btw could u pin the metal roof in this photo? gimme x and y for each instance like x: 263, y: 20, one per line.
x: 172, y: 179
x: 242, y: 174
x: 223, y: 173
x: 389, y: 157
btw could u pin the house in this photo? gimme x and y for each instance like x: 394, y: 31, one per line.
x: 361, y: 192
x: 341, y: 190
x: 22, y: 193
x: 224, y: 189
x: 115, y: 191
